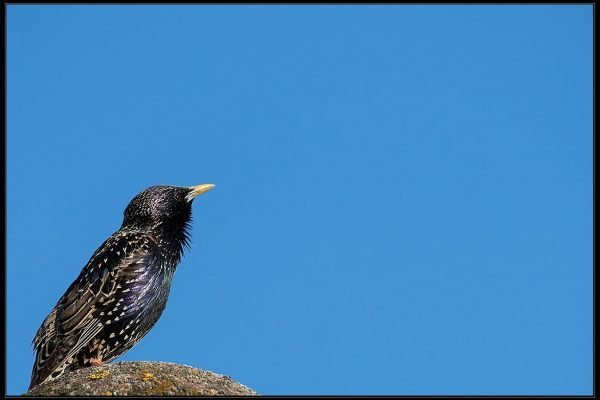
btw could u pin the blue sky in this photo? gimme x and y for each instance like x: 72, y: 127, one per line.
x: 403, y: 201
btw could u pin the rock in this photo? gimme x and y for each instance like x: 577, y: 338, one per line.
x: 141, y: 379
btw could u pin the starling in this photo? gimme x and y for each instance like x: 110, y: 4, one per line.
x: 122, y: 290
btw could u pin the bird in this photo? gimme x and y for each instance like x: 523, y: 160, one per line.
x: 122, y: 290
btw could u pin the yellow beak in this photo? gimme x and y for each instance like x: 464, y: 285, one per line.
x: 198, y: 190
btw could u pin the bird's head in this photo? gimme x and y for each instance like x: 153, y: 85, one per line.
x: 165, y: 209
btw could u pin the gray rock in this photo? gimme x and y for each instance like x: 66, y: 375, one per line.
x: 141, y: 379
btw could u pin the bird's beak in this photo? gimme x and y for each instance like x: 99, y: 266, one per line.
x: 196, y: 191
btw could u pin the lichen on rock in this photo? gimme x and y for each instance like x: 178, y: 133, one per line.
x: 141, y: 379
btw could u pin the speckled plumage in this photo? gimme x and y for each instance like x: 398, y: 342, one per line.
x: 122, y: 290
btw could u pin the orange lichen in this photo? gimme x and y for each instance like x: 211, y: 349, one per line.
x: 147, y: 376
x: 99, y: 375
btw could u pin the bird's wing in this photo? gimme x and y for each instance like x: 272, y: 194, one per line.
x: 74, y: 321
